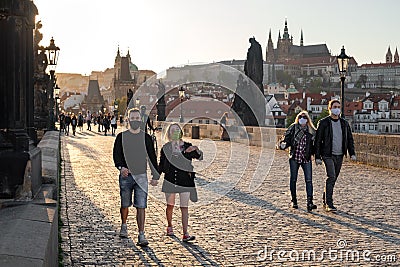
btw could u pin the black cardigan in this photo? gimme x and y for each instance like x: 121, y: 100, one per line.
x: 178, y: 169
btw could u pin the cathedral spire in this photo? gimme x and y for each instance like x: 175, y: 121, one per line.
x: 118, y: 54
x: 396, y: 56
x: 301, y: 38
x: 389, y: 56
x: 286, y: 31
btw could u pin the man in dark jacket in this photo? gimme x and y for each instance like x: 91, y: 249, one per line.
x: 132, y: 148
x: 333, y: 140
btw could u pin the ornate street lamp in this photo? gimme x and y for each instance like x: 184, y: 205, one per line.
x: 57, y: 98
x: 52, y: 52
x: 343, y: 62
x: 181, y: 96
x: 137, y: 102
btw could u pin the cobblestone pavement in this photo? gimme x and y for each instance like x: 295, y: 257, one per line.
x: 240, y: 228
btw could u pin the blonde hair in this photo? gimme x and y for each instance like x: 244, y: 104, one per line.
x: 309, y: 121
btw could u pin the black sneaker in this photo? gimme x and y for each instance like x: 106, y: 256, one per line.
x: 294, y: 205
x: 311, y: 206
x: 330, y: 208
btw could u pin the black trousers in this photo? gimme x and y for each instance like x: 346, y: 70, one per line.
x: 332, y: 165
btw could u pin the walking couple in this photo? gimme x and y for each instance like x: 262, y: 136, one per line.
x: 132, y: 149
x: 329, y: 143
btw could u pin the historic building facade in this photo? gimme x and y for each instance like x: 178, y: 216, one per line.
x: 301, y: 61
x: 380, y: 75
x: 123, y: 80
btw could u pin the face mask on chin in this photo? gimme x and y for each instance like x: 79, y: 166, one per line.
x: 335, y: 111
x: 135, y: 124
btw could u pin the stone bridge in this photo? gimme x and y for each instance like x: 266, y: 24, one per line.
x: 243, y: 217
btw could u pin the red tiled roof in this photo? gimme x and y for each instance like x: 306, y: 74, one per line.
x: 199, y: 107
x: 377, y: 65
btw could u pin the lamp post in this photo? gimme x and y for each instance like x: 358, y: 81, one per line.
x: 52, y: 52
x: 57, y: 98
x: 137, y: 102
x: 181, y: 96
x: 343, y: 62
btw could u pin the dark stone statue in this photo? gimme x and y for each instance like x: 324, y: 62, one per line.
x: 253, y: 66
x: 250, y: 104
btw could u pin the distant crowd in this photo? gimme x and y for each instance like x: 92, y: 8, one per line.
x: 104, y: 122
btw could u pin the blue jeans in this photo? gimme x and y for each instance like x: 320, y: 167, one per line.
x: 294, y: 171
x: 332, y: 165
x: 136, y: 184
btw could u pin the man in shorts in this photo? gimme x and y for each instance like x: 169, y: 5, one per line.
x: 131, y: 150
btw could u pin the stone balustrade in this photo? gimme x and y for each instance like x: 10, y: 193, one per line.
x: 377, y: 150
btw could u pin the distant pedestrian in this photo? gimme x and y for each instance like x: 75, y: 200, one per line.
x: 61, y: 118
x: 89, y: 120
x: 80, y: 121
x: 99, y: 122
x: 223, y: 123
x: 113, y: 125
x: 106, y: 124
x: 74, y: 123
x: 131, y: 150
x: 146, y: 124
x: 300, y: 138
x: 333, y: 140
x: 176, y: 162
x: 67, y: 123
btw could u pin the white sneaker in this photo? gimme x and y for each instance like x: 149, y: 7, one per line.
x: 124, y: 231
x: 142, y: 241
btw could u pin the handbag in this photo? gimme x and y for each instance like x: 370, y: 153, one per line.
x: 193, y: 191
x: 193, y: 195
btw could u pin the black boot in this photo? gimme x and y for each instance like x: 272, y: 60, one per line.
x: 310, y: 205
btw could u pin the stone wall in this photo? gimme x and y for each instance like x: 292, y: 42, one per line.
x: 377, y: 150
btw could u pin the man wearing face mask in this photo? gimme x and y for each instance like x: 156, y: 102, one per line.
x: 132, y: 149
x: 300, y: 137
x: 333, y: 140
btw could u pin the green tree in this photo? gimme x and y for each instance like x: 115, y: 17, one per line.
x: 290, y: 119
x: 284, y: 78
x: 362, y: 81
x: 323, y: 114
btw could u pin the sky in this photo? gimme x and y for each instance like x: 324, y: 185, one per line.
x: 164, y: 33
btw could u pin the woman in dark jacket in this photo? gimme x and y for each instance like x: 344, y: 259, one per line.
x: 300, y: 138
x: 74, y: 123
x: 176, y: 162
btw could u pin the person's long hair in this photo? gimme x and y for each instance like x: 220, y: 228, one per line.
x: 310, y: 124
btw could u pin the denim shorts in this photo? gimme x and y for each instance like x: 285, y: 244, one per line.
x: 136, y: 184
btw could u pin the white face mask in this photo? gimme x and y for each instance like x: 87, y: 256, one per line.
x: 335, y: 111
x: 302, y: 121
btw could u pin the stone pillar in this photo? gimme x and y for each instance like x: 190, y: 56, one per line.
x: 17, y: 19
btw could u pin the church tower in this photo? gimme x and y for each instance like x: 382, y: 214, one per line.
x: 270, y: 57
x: 284, y: 44
x: 389, y: 56
x: 122, y: 80
x: 396, y: 56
